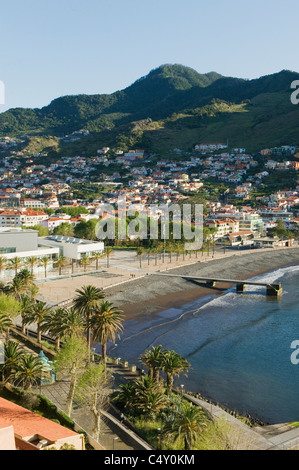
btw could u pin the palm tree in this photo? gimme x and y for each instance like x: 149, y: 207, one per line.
x: 96, y: 256
x: 177, y: 250
x: 3, y: 263
x: 170, y: 248
x: 60, y: 263
x: 53, y: 322
x: 17, y: 287
x: 108, y: 253
x: 38, y: 314
x: 225, y: 242
x: 15, y: 263
x: 156, y: 252
x: 27, y: 277
x: 149, y: 251
x: 26, y: 310
x: 106, y: 323
x: 22, y: 284
x: 32, y: 261
x: 148, y: 397
x: 5, y: 322
x: 153, y: 359
x: 139, y: 254
x: 29, y: 371
x: 187, y: 425
x: 63, y: 323
x: 173, y: 364
x: 12, y: 353
x: 126, y: 395
x: 44, y: 261
x: 87, y: 300
x: 85, y: 260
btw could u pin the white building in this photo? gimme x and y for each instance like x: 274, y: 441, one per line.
x: 71, y: 247
x: 15, y: 242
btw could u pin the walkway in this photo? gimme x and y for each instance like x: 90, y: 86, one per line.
x: 114, y: 435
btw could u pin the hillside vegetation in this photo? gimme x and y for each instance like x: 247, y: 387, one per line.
x: 172, y: 107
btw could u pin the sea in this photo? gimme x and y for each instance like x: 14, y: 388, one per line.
x: 241, y: 347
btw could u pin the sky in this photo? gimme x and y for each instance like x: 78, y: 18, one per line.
x: 52, y: 48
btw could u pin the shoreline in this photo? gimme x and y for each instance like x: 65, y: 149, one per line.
x: 177, y: 293
x: 150, y: 295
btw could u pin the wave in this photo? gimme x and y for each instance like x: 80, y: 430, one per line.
x: 269, y: 278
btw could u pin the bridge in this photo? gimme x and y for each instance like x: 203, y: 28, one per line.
x: 272, y: 290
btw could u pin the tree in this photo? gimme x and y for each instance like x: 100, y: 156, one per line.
x: 60, y: 263
x: 5, y: 322
x: 139, y: 255
x: 17, y: 287
x: 63, y: 323
x: 12, y: 353
x: 44, y: 261
x: 149, y: 398
x: 65, y: 229
x: 71, y: 362
x: 187, y: 425
x: 38, y: 314
x: 86, y: 230
x: 15, y: 263
x: 29, y: 370
x: 106, y: 324
x: 9, y: 309
x: 42, y: 231
x: 108, y: 253
x: 27, y: 278
x: 3, y: 264
x: 149, y: 251
x: 126, y: 395
x: 85, y: 260
x: 96, y: 256
x: 153, y: 359
x: 87, y: 300
x: 92, y: 393
x: 173, y: 364
x: 26, y: 305
x: 32, y: 261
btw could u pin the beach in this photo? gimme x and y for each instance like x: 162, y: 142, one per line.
x: 151, y: 294
x: 238, y: 345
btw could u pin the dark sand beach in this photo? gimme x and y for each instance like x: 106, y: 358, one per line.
x: 151, y: 294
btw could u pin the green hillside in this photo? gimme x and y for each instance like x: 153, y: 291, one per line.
x: 172, y: 107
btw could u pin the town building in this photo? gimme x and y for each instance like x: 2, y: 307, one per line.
x: 21, y: 429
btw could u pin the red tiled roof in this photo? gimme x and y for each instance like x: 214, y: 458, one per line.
x: 27, y: 424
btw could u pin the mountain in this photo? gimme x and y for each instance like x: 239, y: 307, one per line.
x: 172, y: 106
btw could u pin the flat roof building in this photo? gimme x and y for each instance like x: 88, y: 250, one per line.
x: 71, y: 247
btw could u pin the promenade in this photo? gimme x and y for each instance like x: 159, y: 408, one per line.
x: 124, y: 267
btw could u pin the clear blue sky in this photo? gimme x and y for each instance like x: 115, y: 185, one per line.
x: 50, y: 48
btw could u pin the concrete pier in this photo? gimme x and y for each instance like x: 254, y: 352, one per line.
x: 272, y: 290
x: 241, y: 287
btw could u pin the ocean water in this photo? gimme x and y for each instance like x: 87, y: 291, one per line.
x: 238, y: 345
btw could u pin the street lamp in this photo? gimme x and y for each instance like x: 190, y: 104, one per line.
x: 114, y: 440
x: 160, y: 436
x: 182, y: 388
x: 93, y: 350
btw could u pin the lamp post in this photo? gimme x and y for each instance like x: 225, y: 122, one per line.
x: 114, y: 440
x: 160, y: 436
x: 182, y: 388
x: 93, y: 350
